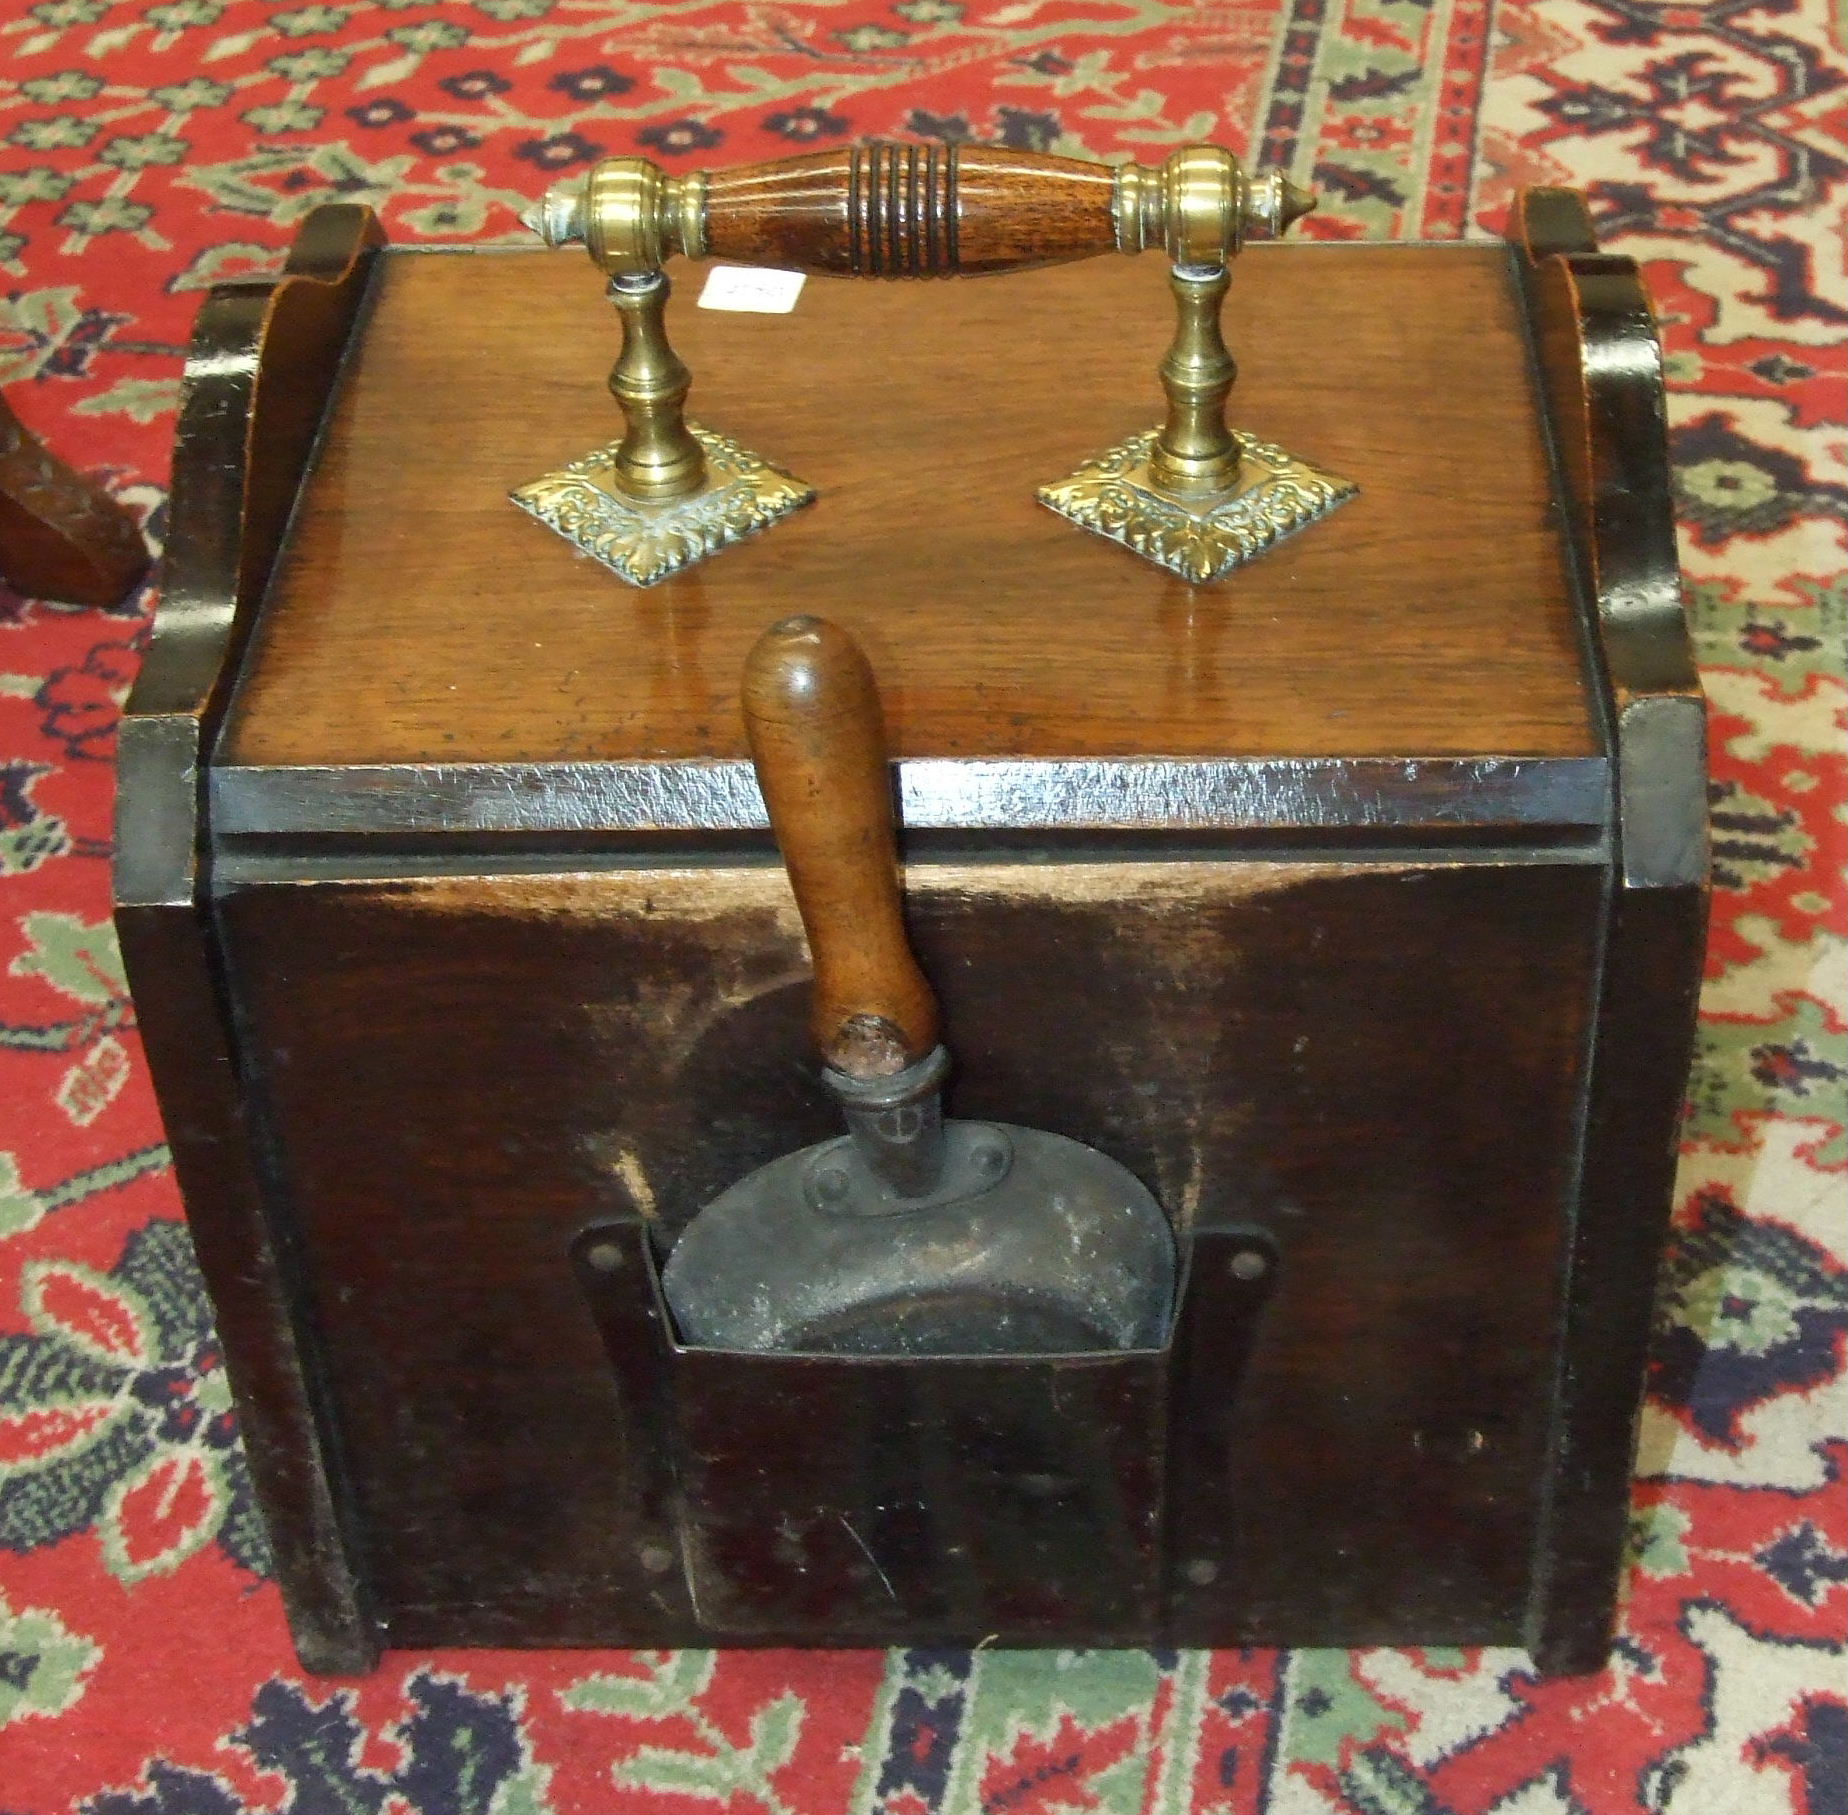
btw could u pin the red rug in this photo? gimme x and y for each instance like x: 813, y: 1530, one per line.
x: 151, y: 147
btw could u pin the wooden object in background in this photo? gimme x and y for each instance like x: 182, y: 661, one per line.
x: 62, y: 536
x: 1360, y: 899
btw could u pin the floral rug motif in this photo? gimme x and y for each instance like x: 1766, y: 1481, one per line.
x: 151, y: 147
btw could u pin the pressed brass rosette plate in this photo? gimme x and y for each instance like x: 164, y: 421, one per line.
x: 645, y: 541
x: 1273, y: 496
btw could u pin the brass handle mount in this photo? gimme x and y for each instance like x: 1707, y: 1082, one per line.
x: 1192, y: 495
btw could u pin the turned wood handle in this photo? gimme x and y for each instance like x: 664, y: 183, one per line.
x: 885, y: 210
x: 811, y: 712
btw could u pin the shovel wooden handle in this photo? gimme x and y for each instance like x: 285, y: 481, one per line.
x: 811, y: 712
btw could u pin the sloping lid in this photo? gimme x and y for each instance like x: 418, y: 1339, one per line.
x: 430, y: 658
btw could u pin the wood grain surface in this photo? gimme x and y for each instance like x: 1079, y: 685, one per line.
x: 420, y: 618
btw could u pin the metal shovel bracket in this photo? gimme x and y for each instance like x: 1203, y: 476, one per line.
x: 1068, y: 1499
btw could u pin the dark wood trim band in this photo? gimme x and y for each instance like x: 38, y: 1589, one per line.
x: 1601, y: 377
x: 263, y: 364
x: 1400, y: 796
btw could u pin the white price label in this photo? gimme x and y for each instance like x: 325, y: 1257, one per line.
x: 751, y: 291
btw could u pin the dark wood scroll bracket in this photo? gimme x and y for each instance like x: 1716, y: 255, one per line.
x: 1600, y: 370
x: 261, y: 371
x: 61, y: 535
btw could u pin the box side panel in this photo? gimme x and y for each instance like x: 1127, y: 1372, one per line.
x: 281, y: 1417
x: 1381, y: 1063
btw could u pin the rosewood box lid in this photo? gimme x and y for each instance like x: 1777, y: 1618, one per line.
x: 430, y: 658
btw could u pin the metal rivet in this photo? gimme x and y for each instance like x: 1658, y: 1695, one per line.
x: 655, y: 1558
x: 1201, y: 1571
x: 989, y: 1159
x: 1040, y: 1486
x: 605, y: 1257
x: 1248, y: 1263
x: 831, y: 1184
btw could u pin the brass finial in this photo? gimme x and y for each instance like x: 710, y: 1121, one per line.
x: 629, y: 214
x: 1199, y: 205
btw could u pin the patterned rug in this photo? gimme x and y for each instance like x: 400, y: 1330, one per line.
x: 151, y: 147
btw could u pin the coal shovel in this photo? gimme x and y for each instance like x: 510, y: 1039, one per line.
x: 910, y: 1234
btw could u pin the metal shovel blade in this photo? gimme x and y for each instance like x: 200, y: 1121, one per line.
x: 1032, y: 1244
